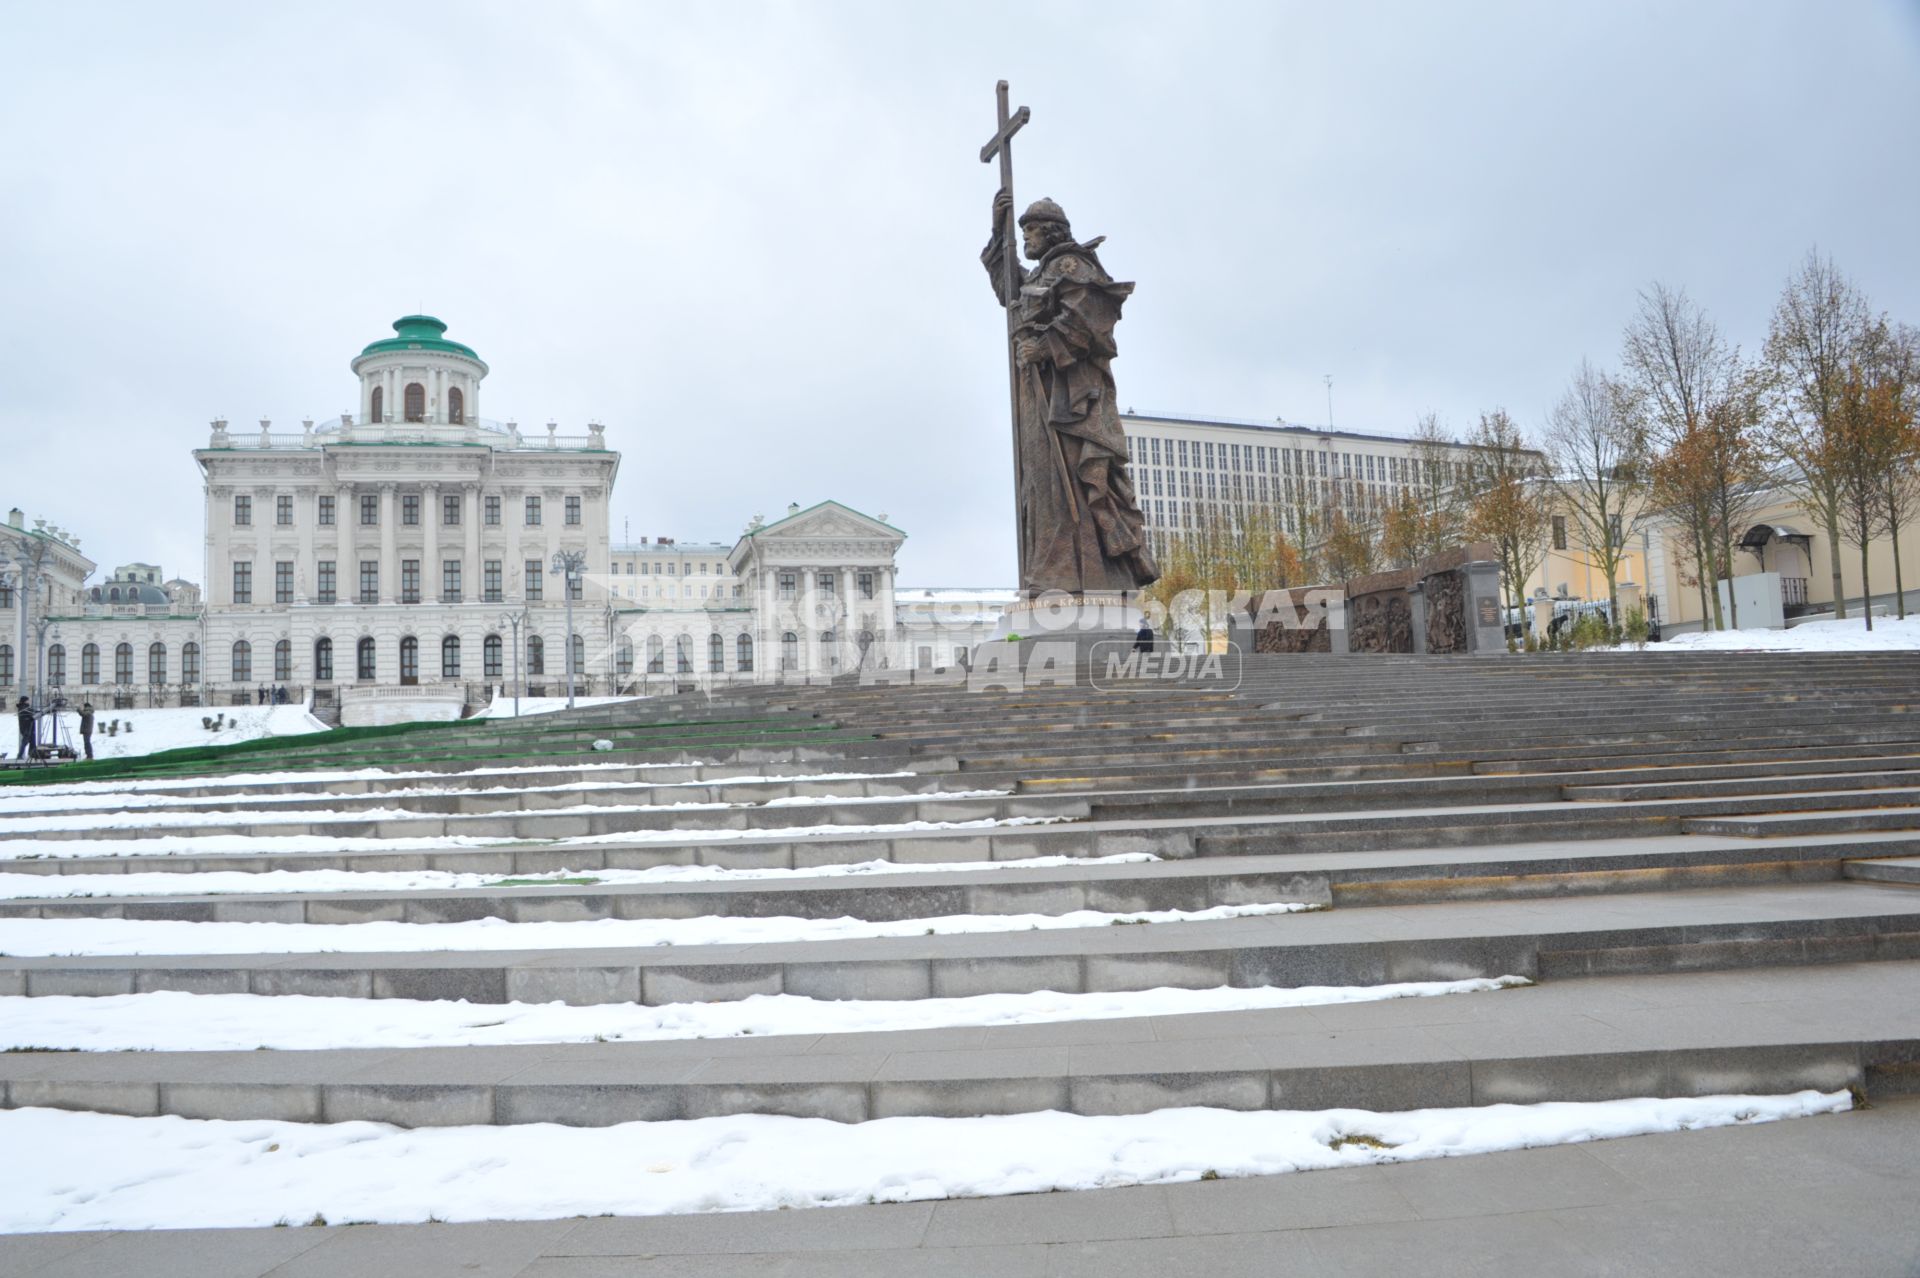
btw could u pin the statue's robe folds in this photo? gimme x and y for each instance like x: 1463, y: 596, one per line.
x: 1080, y: 527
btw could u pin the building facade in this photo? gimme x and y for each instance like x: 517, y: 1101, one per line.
x: 1182, y: 466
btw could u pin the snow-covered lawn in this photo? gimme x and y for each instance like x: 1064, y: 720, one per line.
x: 77, y: 1171
x: 502, y: 707
x: 151, y: 731
x: 167, y: 1021
x: 1888, y: 633
x: 121, y: 937
x: 46, y: 887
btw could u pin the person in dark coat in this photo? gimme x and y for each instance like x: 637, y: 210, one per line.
x: 23, y: 715
x: 1143, y: 637
x: 261, y: 699
x: 86, y: 726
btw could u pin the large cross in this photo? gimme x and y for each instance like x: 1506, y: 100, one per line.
x: 1001, y: 144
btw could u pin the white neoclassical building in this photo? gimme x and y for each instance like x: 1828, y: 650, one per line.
x: 383, y: 559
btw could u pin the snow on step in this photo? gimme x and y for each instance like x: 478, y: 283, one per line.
x: 169, y: 1021
x: 49, y: 887
x: 102, y: 1171
x: 128, y: 937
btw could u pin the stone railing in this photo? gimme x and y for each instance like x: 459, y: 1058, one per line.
x: 347, y: 429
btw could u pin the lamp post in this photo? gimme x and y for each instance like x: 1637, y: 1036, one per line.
x: 514, y: 619
x: 568, y: 564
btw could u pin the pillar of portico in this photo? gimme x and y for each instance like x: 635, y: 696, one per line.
x: 346, y: 572
x: 474, y: 585
x: 305, y: 519
x: 389, y: 555
x: 430, y: 537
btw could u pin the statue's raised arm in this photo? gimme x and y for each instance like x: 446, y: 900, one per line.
x: 994, y: 256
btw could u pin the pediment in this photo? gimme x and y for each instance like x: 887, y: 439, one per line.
x: 830, y: 520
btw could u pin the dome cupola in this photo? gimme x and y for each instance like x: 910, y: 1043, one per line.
x: 419, y: 376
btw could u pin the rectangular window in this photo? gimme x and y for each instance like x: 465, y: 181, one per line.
x: 787, y: 584
x: 243, y: 583
x: 450, y: 511
x: 827, y: 583
x: 533, y: 512
x: 492, y: 519
x: 491, y: 582
x: 369, y: 581
x: 536, y: 584
x: 1615, y: 532
x: 327, y: 584
x: 573, y: 512
x: 409, y: 581
x: 866, y: 585
x: 1559, y: 532
x: 369, y: 510
x: 450, y: 581
x: 283, y: 510
x: 243, y: 512
x: 410, y: 509
x: 283, y: 581
x: 326, y: 511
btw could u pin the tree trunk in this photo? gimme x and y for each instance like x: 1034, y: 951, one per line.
x: 1839, y: 587
x: 1866, y: 591
x: 1899, y: 587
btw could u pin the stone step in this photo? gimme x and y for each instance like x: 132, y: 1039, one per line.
x: 1848, y: 1026
x: 1761, y: 825
x: 1884, y: 869
x: 1697, y: 930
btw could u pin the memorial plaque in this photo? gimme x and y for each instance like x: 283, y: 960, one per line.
x: 1489, y: 610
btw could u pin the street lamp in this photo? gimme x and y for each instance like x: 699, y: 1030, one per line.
x: 568, y: 563
x: 514, y: 619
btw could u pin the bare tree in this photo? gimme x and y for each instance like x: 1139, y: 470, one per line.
x: 1874, y: 431
x: 1695, y: 390
x: 1817, y: 332
x: 1437, y: 486
x: 1597, y: 456
x: 1901, y: 492
x: 1508, y: 499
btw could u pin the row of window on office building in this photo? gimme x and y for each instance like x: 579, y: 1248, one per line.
x: 326, y: 511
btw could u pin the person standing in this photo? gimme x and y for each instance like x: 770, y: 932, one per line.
x: 86, y: 726
x: 1143, y: 637
x: 23, y: 715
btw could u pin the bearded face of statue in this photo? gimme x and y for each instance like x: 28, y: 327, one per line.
x: 1038, y: 237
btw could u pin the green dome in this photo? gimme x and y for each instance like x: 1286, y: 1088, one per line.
x: 418, y: 333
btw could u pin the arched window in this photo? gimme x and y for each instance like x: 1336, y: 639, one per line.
x: 283, y: 661
x: 716, y: 654
x: 456, y: 406
x: 491, y: 652
x: 156, y: 663
x: 536, y: 655
x: 416, y: 402
x: 579, y: 656
x: 789, y: 651
x: 240, y: 669
x: 656, y: 655
x: 682, y: 654
x: 56, y: 665
x: 323, y: 660
x: 743, y: 653
x: 409, y: 660
x: 113, y: 596
x: 377, y: 412
x: 623, y: 656
x: 190, y: 663
x: 450, y: 657
x: 90, y: 664
x: 363, y: 660
x: 829, y: 657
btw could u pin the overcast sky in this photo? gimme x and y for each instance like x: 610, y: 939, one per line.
x: 745, y: 236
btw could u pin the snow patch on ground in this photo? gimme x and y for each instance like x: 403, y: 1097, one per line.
x: 40, y: 938
x: 168, y: 1021
x: 49, y: 887
x: 1888, y: 634
x: 104, y: 1171
x: 150, y: 731
x: 502, y: 707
